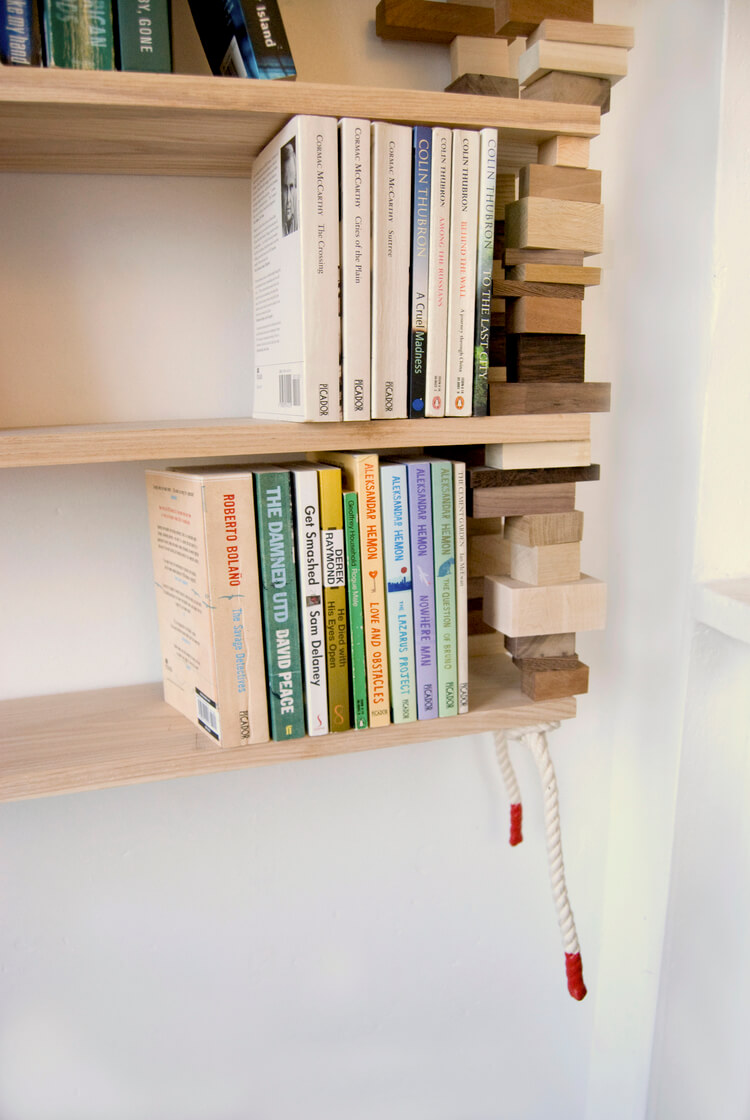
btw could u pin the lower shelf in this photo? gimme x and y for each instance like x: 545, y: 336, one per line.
x: 120, y: 736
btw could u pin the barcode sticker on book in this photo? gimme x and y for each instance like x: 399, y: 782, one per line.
x: 208, y: 714
x: 289, y: 389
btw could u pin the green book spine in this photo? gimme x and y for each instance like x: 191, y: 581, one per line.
x: 143, y: 38
x: 444, y: 537
x: 78, y: 34
x: 273, y: 499
x: 356, y: 613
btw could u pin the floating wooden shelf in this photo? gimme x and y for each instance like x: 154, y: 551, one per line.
x: 171, y: 124
x: 122, y: 736
x: 195, y: 439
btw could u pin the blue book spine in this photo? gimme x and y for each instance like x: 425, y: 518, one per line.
x: 420, y: 253
x: 420, y: 531
x: 399, y: 609
x: 18, y: 38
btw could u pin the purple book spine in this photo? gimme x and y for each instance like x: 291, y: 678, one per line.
x: 420, y: 519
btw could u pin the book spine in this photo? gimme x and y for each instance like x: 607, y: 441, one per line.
x: 420, y: 528
x: 78, y: 36
x: 445, y: 586
x: 398, y: 583
x: 356, y: 616
x: 310, y: 586
x: 420, y: 248
x: 270, y: 46
x: 437, y: 285
x: 485, y: 253
x: 19, y: 39
x: 224, y: 37
x: 280, y: 606
x: 391, y: 215
x: 334, y: 597
x: 462, y: 274
x: 462, y: 570
x: 354, y: 143
x: 143, y: 36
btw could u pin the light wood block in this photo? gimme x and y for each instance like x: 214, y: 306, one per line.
x: 548, y: 357
x: 489, y: 555
x: 553, y: 223
x: 563, y: 257
x: 571, y: 89
x: 506, y: 501
x: 515, y: 289
x: 530, y: 397
x: 549, y: 684
x: 498, y: 272
x: 552, y: 646
x: 571, y: 31
x: 564, y: 151
x: 507, y: 456
x: 555, y: 274
x: 517, y: 609
x: 544, y: 315
x: 541, y: 530
x: 576, y: 58
x: 520, y: 17
x: 576, y: 184
x: 479, y: 55
x: 545, y: 564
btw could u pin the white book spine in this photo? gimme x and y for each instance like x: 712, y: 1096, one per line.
x: 437, y: 289
x: 462, y: 273
x: 462, y: 568
x: 312, y: 613
x: 295, y: 233
x: 354, y: 171
x: 391, y: 245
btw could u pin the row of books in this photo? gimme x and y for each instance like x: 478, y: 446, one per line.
x: 372, y: 270
x: 241, y: 38
x: 311, y: 597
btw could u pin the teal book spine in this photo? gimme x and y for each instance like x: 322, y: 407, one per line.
x: 444, y: 546
x: 278, y: 577
x: 399, y: 601
x: 78, y: 34
x: 356, y: 612
x: 143, y: 36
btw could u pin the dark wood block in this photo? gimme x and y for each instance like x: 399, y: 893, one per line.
x: 546, y: 357
x: 573, y: 89
x: 535, y: 397
x: 513, y: 289
x: 479, y: 476
x: 553, y: 684
x: 546, y: 664
x: 485, y: 85
x: 512, y: 501
x: 429, y: 21
x: 542, y: 646
x: 497, y: 348
x: 520, y: 17
x: 475, y: 619
x: 543, y: 256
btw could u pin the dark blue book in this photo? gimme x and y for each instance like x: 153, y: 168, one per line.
x: 420, y: 252
x: 19, y: 33
x: 243, y: 38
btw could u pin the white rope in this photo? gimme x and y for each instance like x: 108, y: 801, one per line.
x: 506, y: 768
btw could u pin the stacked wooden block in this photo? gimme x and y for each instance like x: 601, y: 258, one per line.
x: 574, y: 62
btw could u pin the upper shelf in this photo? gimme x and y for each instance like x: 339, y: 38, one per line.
x: 172, y: 124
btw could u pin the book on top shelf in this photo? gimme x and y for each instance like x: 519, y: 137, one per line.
x: 485, y: 254
x: 354, y: 189
x: 437, y: 282
x: 19, y: 33
x: 203, y: 544
x: 418, y: 275
x: 143, y: 36
x: 78, y: 36
x: 462, y: 274
x: 295, y: 233
x: 243, y: 38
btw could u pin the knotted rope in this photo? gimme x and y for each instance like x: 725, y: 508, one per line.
x: 535, y: 738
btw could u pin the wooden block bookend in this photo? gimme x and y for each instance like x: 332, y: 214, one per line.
x: 564, y: 151
x: 429, y: 21
x: 508, y: 501
x: 576, y: 184
x: 518, y: 609
x: 546, y: 357
x: 514, y: 289
x: 570, y: 31
x: 489, y: 554
x: 515, y: 18
x: 560, y: 453
x: 544, y: 315
x: 479, y: 476
x: 545, y: 529
x: 545, y: 564
x: 566, y: 257
x: 564, y: 276
x: 572, y: 89
x: 576, y: 58
x: 479, y: 55
x: 552, y: 646
x: 536, y: 397
x: 485, y: 85
x: 554, y: 223
x: 551, y: 684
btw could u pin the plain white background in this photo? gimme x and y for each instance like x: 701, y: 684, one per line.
x: 353, y: 937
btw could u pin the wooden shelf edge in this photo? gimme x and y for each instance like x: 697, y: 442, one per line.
x: 124, y: 736
x: 212, y: 439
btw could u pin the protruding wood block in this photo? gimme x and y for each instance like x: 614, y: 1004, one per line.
x: 489, y: 555
x: 564, y: 453
x: 551, y: 684
x: 521, y: 17
x: 571, y: 89
x: 545, y: 564
x: 539, y: 530
x: 565, y: 151
x: 485, y: 85
x: 552, y: 646
x: 566, y: 257
x: 517, y: 608
x: 505, y: 501
x: 575, y: 58
x: 576, y: 184
x: 428, y: 21
x: 544, y: 315
x: 553, y: 357
x: 471, y: 54
x: 554, y: 223
x: 479, y: 476
x: 570, y: 31
x: 531, y: 397
x: 514, y: 289
x: 562, y: 275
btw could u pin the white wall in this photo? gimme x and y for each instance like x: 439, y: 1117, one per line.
x: 352, y: 936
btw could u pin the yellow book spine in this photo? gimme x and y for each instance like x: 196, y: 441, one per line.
x: 334, y: 597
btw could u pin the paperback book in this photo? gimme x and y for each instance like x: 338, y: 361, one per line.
x: 355, y: 613
x: 462, y: 585
x: 418, y: 282
x: 462, y: 274
x: 419, y: 485
x: 354, y: 188
x: 399, y: 604
x: 203, y: 544
x: 243, y: 38
x: 295, y: 234
x: 443, y: 527
x: 310, y: 587
x: 437, y: 276
x: 334, y: 597
x: 485, y: 253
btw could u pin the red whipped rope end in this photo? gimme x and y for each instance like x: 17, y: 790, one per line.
x: 574, y: 972
x: 516, y: 820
